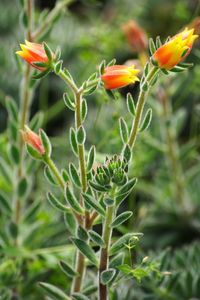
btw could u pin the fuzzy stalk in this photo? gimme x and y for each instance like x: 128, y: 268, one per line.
x: 80, y: 259
x: 104, y: 254
x: 55, y: 171
x: 139, y: 109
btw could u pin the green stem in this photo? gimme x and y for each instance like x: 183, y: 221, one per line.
x: 139, y: 109
x: 55, y: 171
x: 80, y: 259
x: 104, y: 254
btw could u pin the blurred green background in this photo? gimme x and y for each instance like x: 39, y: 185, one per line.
x: 88, y: 32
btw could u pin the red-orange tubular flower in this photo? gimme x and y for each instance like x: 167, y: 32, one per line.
x: 34, y: 53
x: 175, y: 50
x: 136, y: 36
x: 118, y: 76
x: 32, y: 139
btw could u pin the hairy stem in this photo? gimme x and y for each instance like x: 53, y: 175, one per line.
x: 139, y: 109
x: 55, y: 171
x: 104, y: 257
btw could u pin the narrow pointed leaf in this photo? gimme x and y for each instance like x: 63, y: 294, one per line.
x: 45, y: 142
x: 67, y: 269
x: 107, y: 276
x: 130, y: 104
x: 56, y: 203
x: 74, y: 175
x: 147, y: 120
x: 121, y: 218
x: 96, y: 238
x: 86, y: 250
x: 94, y: 204
x: 72, y: 201
x: 53, y: 291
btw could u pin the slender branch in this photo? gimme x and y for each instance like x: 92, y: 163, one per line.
x: 139, y: 109
x: 55, y: 171
x: 104, y: 257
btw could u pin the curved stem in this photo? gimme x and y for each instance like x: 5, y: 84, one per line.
x: 55, y: 171
x: 139, y: 109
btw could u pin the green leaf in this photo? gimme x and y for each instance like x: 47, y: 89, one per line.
x: 68, y: 102
x: 42, y: 74
x: 102, y: 67
x: 84, y: 110
x: 65, y: 175
x: 33, y: 153
x: 82, y: 234
x: 72, y: 201
x: 81, y: 135
x: 78, y: 296
x: 128, y: 186
x: 91, y: 158
x: 86, y: 250
x: 5, y: 204
x: 130, y: 104
x: 53, y: 291
x: 67, y: 269
x: 22, y: 187
x: 90, y: 289
x: 147, y: 120
x: 49, y: 176
x: 96, y: 238
x: 48, y: 51
x: 73, y: 141
x: 14, y: 154
x: 13, y: 230
x: 121, y: 242
x: 123, y: 130
x: 127, y: 153
x: 158, y: 42
x: 40, y: 64
x: 5, y: 171
x: 107, y: 276
x: 56, y: 203
x: 94, y: 204
x: 12, y: 109
x: 99, y: 187
x: 58, y: 66
x: 45, y: 142
x: 74, y: 175
x: 116, y: 260
x: 13, y: 130
x: 146, y: 69
x: 121, y: 218
x: 152, y: 46
x: 70, y: 222
x: 126, y: 269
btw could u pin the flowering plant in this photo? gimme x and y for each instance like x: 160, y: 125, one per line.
x: 88, y: 194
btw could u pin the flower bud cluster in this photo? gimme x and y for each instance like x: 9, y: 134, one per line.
x: 113, y: 171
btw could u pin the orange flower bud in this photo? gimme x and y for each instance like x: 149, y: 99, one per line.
x: 118, y: 76
x: 176, y: 50
x: 32, y: 139
x: 34, y: 53
x: 136, y: 36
